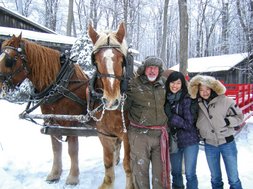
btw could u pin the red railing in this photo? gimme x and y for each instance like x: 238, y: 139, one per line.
x: 242, y: 94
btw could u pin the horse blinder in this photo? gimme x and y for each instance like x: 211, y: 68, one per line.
x: 128, y: 64
x: 94, y: 93
x: 10, y: 61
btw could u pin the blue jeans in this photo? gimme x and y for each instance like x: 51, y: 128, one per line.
x: 190, y: 154
x: 228, y: 152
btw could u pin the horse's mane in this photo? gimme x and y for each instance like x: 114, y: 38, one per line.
x: 103, y: 40
x: 44, y: 63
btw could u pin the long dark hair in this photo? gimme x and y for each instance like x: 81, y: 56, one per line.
x: 173, y: 77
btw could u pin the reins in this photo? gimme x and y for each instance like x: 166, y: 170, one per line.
x: 57, y: 89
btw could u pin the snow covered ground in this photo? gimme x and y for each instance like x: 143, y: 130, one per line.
x: 26, y: 157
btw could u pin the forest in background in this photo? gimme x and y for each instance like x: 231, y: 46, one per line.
x: 214, y: 27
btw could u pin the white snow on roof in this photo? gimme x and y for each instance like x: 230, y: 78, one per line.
x: 26, y: 19
x: 213, y: 63
x: 38, y: 36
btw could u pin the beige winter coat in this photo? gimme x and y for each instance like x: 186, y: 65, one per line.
x: 211, y: 119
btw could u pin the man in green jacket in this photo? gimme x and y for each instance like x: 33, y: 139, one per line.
x: 147, y: 131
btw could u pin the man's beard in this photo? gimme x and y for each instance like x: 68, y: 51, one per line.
x: 151, y: 78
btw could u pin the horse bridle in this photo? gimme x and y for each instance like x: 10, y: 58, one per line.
x: 97, y: 75
x: 6, y: 78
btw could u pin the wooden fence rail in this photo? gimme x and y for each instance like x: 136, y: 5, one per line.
x: 242, y: 94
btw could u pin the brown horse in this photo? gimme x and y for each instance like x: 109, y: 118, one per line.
x: 59, y: 89
x: 110, y: 58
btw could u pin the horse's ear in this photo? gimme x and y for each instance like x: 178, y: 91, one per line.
x: 20, y: 36
x: 120, y: 34
x: 92, y: 33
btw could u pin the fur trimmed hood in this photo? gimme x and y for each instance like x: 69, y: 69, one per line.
x: 208, y: 81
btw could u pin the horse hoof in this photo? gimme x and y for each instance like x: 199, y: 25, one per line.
x: 53, y: 178
x: 107, y: 184
x: 52, y: 181
x: 103, y: 186
x: 71, y: 180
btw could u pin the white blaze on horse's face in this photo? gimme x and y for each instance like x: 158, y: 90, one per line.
x: 111, y: 96
x: 108, y: 55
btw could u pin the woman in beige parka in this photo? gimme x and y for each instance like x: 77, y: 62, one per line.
x: 218, y: 117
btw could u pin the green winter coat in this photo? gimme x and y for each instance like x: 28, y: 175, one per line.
x: 145, y: 102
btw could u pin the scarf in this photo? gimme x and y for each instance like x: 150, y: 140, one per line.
x: 174, y: 97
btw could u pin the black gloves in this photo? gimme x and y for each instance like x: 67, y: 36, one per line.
x: 173, y: 130
x: 227, y: 121
x: 167, y: 110
x: 237, y: 128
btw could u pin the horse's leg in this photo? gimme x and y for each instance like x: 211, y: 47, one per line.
x: 117, y: 152
x: 73, y: 177
x: 126, y: 163
x: 108, y: 144
x: 56, y: 171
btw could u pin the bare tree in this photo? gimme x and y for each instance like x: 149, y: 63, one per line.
x: 70, y: 18
x: 94, y: 13
x: 216, y: 26
x: 183, y: 25
x: 199, y: 22
x: 209, y: 30
x: 125, y: 12
x: 115, y: 13
x: 51, y: 13
x: 164, y: 34
x: 224, y: 33
x: 23, y: 7
x: 19, y: 5
x: 247, y: 25
x: 83, y: 10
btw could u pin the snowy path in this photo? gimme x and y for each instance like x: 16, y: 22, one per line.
x: 26, y: 156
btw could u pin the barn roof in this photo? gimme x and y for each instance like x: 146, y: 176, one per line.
x: 37, y: 36
x: 24, y: 19
x: 213, y: 63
